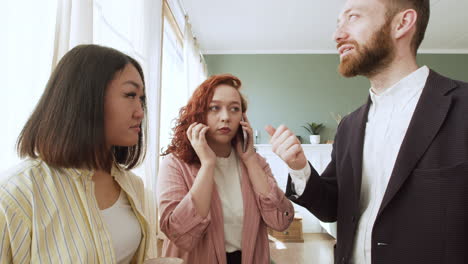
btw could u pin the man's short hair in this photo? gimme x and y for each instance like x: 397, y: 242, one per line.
x: 422, y: 8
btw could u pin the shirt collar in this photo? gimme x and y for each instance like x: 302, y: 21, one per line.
x: 116, y: 172
x: 80, y: 173
x: 405, y: 88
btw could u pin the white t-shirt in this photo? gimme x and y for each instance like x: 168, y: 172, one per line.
x: 124, y: 229
x: 227, y: 178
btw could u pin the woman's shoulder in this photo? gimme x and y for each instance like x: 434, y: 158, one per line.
x: 169, y: 158
x: 172, y: 165
x: 24, y: 172
x: 172, y: 160
x: 16, y: 183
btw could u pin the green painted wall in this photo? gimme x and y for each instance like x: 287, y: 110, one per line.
x: 294, y: 89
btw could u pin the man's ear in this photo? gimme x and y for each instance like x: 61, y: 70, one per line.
x: 404, y: 22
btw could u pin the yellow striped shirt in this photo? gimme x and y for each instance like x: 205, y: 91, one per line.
x: 50, y: 215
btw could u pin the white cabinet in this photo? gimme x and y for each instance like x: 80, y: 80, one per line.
x: 319, y: 156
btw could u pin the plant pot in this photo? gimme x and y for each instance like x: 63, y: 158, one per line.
x: 314, y: 139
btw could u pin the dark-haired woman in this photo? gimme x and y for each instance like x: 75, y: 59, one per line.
x: 73, y: 199
x: 217, y: 200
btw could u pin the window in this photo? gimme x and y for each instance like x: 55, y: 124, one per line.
x: 174, y: 92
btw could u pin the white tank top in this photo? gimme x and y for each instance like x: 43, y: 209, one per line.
x: 124, y: 228
x: 227, y: 178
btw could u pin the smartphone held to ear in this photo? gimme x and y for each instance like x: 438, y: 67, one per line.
x: 245, y: 139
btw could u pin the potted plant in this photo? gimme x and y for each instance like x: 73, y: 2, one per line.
x: 314, y: 130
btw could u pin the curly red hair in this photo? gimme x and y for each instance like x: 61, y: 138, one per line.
x: 196, y: 111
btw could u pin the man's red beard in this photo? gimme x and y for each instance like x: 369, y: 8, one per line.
x: 368, y: 60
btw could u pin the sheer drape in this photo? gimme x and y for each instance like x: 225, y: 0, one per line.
x: 195, y: 66
x: 27, y: 30
x: 74, y: 26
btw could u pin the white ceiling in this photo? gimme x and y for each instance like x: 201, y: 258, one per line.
x: 303, y: 26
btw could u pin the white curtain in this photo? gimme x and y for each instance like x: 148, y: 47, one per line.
x: 74, y: 26
x: 27, y: 28
x: 195, y: 66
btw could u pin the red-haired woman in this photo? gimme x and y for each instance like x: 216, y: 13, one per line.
x: 217, y: 200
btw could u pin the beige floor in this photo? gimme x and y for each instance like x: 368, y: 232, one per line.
x: 317, y: 248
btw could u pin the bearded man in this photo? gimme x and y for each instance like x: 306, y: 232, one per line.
x: 397, y: 183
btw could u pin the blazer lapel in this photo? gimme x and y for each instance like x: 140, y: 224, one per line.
x: 428, y: 117
x: 251, y: 216
x: 217, y: 235
x: 357, y: 146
